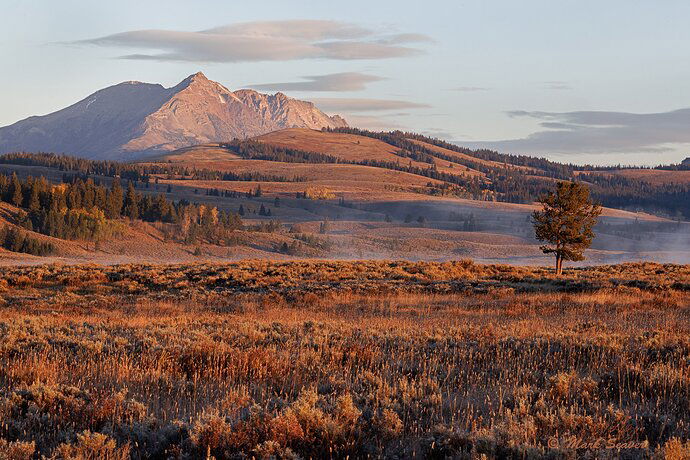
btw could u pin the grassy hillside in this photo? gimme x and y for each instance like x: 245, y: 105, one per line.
x: 379, y: 195
x: 653, y: 176
x: 443, y: 169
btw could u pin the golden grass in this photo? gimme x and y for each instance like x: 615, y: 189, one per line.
x: 351, y: 147
x: 653, y: 176
x: 346, y: 146
x: 337, y: 359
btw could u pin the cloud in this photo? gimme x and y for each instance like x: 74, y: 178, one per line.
x: 364, y: 105
x: 599, y: 132
x: 405, y: 38
x: 557, y: 85
x: 345, y: 81
x: 439, y: 133
x: 374, y: 123
x: 263, y: 41
x: 468, y: 89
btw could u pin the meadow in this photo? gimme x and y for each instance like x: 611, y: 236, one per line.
x: 326, y: 359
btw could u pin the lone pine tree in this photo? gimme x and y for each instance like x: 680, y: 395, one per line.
x: 565, y: 222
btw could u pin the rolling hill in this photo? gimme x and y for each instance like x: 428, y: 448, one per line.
x: 384, y: 195
x: 409, y: 166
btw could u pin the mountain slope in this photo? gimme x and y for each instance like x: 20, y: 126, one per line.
x: 134, y: 119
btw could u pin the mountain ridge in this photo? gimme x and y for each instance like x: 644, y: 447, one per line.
x: 133, y: 119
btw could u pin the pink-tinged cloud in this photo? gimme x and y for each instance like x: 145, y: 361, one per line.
x: 344, y: 81
x: 365, y: 105
x: 263, y: 41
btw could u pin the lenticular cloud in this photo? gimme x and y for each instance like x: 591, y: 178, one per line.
x: 263, y: 41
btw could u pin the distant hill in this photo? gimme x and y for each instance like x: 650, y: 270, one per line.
x: 356, y: 164
x: 133, y: 119
x: 368, y: 165
x: 383, y: 195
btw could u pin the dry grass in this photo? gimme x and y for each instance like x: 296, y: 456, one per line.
x: 653, y: 176
x: 337, y: 359
x: 346, y: 146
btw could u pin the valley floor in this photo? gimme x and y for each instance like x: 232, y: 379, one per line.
x: 334, y: 359
x: 359, y: 240
x: 383, y: 223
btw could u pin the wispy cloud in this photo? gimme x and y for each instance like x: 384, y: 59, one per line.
x: 599, y: 132
x: 469, y: 89
x: 365, y: 105
x: 264, y: 41
x: 374, y: 123
x: 398, y: 39
x: 439, y: 133
x: 556, y: 85
x: 345, y: 81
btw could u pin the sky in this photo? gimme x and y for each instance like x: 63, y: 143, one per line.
x: 578, y: 81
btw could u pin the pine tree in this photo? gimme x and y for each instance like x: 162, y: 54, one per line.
x: 34, y: 198
x: 114, y: 209
x: 16, y: 196
x: 565, y: 222
x: 131, y: 203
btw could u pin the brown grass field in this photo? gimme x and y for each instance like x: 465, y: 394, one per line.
x: 326, y: 359
x: 346, y: 146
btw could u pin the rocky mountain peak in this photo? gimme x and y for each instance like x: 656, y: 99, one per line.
x: 132, y: 120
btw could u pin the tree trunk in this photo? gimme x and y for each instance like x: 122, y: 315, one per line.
x: 559, y: 264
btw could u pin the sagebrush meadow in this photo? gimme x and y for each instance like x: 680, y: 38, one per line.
x: 338, y: 359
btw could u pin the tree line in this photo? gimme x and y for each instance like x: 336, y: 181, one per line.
x: 404, y: 141
x: 519, y: 186
x: 84, y: 209
x: 136, y: 172
x: 559, y: 170
x: 15, y: 240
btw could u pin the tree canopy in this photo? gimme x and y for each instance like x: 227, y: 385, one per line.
x: 566, y: 222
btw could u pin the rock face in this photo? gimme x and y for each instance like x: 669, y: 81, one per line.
x: 132, y: 120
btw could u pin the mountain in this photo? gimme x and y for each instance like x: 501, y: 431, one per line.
x: 133, y: 120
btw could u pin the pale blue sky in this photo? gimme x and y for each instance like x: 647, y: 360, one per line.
x: 503, y: 74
